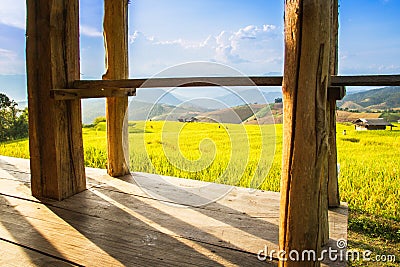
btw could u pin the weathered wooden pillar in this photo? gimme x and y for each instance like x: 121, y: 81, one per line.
x: 305, y: 151
x: 333, y: 183
x: 329, y: 193
x: 55, y: 127
x: 116, y: 44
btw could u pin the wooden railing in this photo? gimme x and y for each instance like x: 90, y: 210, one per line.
x: 55, y: 127
x: 127, y: 87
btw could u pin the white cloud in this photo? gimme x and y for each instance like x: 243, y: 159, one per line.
x: 90, y: 31
x: 187, y: 44
x: 248, y: 44
x: 10, y: 63
x: 184, y: 43
x: 225, y: 50
x: 138, y: 36
x: 7, y: 54
x: 13, y: 13
x: 256, y: 49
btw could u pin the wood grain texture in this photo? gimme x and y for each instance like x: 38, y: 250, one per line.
x: 55, y: 128
x: 366, y: 80
x: 115, y: 223
x: 305, y: 82
x: 10, y: 251
x: 116, y: 43
x: 354, y: 80
x: 336, y: 92
x: 180, y: 82
x: 71, y: 94
x: 333, y: 182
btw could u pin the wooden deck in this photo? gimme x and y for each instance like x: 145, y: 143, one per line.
x: 116, y: 223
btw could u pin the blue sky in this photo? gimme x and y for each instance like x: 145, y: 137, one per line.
x: 245, y: 35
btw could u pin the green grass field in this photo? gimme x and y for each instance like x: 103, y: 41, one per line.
x: 250, y: 156
x: 242, y: 155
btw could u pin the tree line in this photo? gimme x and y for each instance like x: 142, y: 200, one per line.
x: 13, y: 121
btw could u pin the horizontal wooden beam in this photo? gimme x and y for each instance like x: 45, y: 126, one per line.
x: 335, y: 92
x: 70, y: 94
x: 126, y: 87
x: 357, y: 80
x: 366, y: 80
x: 180, y: 82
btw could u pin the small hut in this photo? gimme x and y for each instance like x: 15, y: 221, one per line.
x: 371, y: 124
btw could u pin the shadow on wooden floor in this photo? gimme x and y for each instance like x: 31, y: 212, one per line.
x: 116, y: 222
x: 103, y: 226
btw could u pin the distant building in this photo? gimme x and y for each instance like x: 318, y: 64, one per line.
x: 371, y: 124
x: 192, y: 119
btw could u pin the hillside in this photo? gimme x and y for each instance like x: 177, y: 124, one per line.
x: 159, y: 104
x: 350, y: 105
x: 138, y: 110
x: 223, y: 109
x: 230, y: 115
x: 269, y: 114
x: 375, y: 99
x: 158, y: 96
x: 346, y: 116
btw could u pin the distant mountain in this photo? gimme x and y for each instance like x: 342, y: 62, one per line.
x: 250, y: 96
x: 350, y: 105
x: 158, y: 96
x: 237, y: 97
x: 246, y: 105
x: 273, y: 73
x: 138, y: 110
x: 146, y: 104
x: 159, y: 104
x: 146, y: 111
x: 93, y: 108
x: 269, y: 114
x: 231, y: 115
x: 375, y: 99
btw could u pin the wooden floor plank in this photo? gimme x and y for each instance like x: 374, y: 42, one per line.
x: 77, y: 236
x: 116, y: 222
x: 13, y: 255
x: 215, y: 226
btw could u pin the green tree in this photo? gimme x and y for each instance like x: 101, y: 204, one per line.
x: 99, y: 119
x: 13, y: 122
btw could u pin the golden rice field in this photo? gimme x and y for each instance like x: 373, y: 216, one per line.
x: 250, y: 156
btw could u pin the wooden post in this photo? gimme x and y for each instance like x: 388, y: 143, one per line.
x: 305, y: 82
x: 329, y: 183
x: 55, y: 127
x: 116, y: 44
x: 333, y: 183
